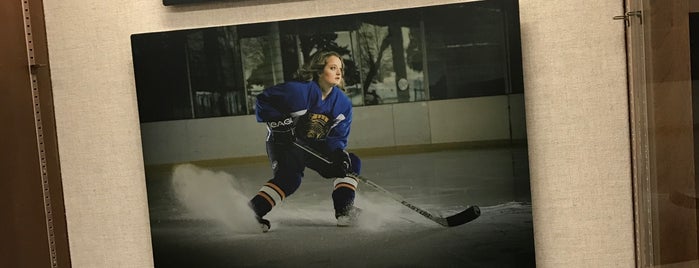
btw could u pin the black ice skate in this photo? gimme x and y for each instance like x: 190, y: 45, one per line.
x: 264, y: 224
x: 348, y: 217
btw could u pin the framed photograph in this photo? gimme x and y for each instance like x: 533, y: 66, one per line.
x: 181, y: 2
x: 437, y: 128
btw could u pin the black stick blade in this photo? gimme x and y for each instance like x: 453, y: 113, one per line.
x: 465, y: 216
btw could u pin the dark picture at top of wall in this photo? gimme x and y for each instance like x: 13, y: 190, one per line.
x: 181, y: 2
x: 437, y: 121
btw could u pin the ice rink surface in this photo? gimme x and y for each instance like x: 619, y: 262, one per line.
x: 199, y: 215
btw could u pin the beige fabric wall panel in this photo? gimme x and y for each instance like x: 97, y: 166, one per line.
x: 577, y: 122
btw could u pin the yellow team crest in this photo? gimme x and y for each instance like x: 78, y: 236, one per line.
x: 318, y: 126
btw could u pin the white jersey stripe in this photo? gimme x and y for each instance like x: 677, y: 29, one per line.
x: 337, y: 120
x: 298, y: 113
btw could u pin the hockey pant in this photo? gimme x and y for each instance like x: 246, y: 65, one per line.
x: 288, y: 163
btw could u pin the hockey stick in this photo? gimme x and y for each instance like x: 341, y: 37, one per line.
x: 471, y: 213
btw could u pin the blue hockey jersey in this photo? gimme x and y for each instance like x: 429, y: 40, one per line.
x: 325, y: 120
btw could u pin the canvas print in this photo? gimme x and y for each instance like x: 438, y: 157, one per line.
x: 182, y: 2
x: 383, y: 139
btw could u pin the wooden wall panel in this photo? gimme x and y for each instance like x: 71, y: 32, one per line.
x: 29, y: 239
x: 671, y: 128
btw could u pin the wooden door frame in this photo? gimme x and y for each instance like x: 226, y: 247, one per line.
x: 33, y: 229
x: 661, y: 133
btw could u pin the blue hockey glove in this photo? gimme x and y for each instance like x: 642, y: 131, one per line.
x: 282, y: 131
x: 341, y: 163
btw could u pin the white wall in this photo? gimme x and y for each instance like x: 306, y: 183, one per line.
x: 474, y: 119
x: 458, y: 120
x: 576, y: 120
x: 202, y: 139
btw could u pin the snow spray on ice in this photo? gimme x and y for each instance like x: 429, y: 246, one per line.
x: 216, y: 196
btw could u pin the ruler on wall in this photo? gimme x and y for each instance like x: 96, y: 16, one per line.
x: 36, y: 99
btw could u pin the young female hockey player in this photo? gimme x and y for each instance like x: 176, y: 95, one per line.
x: 315, y: 111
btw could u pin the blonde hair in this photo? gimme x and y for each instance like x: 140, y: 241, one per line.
x: 312, y: 69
